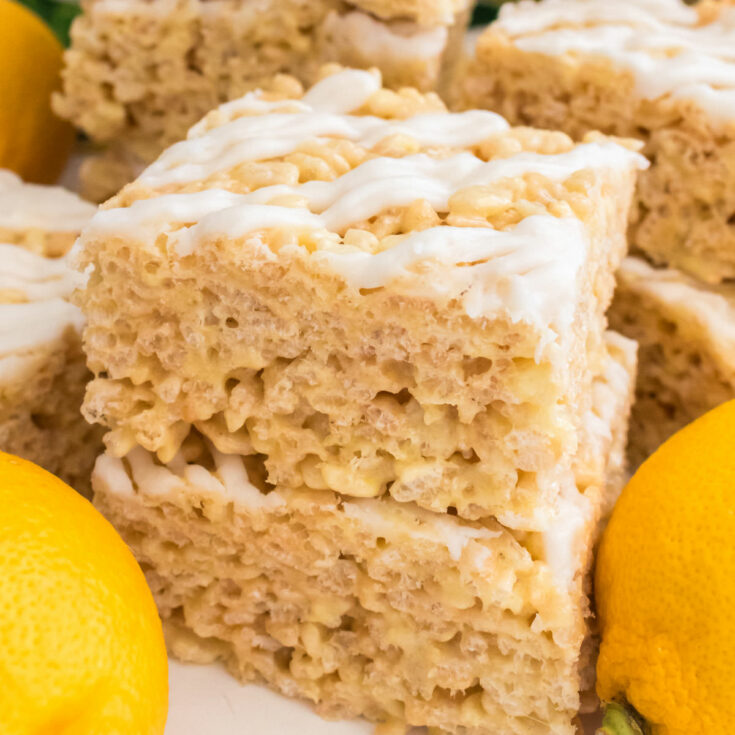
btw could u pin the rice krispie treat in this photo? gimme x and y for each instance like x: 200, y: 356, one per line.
x: 390, y: 320
x: 42, y: 367
x: 686, y: 332
x: 140, y: 72
x: 372, y: 607
x: 412, y: 302
x: 659, y: 70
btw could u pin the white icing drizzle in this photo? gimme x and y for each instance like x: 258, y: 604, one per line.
x: 393, y: 521
x: 230, y: 482
x: 269, y: 131
x: 510, y: 271
x: 397, y: 42
x: 213, y: 211
x: 262, y: 137
x: 27, y: 326
x: 45, y: 315
x: 563, y: 541
x: 381, y: 183
x: 36, y: 277
x: 30, y: 206
x: 661, y: 42
x: 361, y: 193
x: 713, y: 311
x: 506, y: 272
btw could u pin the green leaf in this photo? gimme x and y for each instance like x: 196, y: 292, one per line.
x: 484, y: 14
x: 57, y: 13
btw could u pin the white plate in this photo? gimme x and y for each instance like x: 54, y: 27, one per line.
x: 205, y: 699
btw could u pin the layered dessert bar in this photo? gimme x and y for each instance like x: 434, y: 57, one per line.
x: 42, y: 366
x: 686, y: 332
x: 372, y: 333
x: 140, y: 72
x: 659, y: 70
x: 372, y: 607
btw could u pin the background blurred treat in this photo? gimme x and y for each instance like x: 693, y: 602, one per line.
x: 42, y: 368
x: 365, y: 416
x: 662, y: 71
x: 139, y: 73
x: 686, y: 332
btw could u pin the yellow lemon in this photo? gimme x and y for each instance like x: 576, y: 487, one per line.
x: 81, y: 645
x: 33, y: 141
x: 665, y: 586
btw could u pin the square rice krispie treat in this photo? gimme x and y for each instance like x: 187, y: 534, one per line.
x: 686, y: 332
x: 659, y: 70
x: 373, y: 607
x: 369, y: 290
x: 140, y: 72
x: 372, y: 321
x: 42, y: 367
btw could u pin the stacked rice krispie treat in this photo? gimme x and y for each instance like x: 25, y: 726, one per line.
x: 364, y: 415
x: 140, y: 72
x: 664, y: 72
x: 42, y: 366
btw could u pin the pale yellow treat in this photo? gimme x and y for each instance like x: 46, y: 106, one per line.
x: 380, y: 296
x: 42, y: 367
x: 140, y: 72
x: 368, y: 606
x: 659, y: 70
x: 686, y: 332
x: 365, y: 419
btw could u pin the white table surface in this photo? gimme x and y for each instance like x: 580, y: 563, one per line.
x: 205, y: 700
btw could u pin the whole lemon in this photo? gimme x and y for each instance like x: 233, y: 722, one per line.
x: 81, y: 645
x: 665, y: 584
x: 33, y: 141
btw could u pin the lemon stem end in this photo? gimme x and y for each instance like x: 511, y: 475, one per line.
x: 620, y: 719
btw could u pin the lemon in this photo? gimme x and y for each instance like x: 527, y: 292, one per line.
x: 665, y: 586
x: 33, y: 141
x: 81, y: 645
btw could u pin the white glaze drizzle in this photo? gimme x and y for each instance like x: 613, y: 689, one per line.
x: 398, y: 42
x: 322, y: 113
x: 230, y: 482
x: 505, y: 272
x: 361, y: 193
x: 660, y: 41
x: 44, y: 315
x: 713, y: 311
x: 30, y: 206
x: 382, y: 183
x: 37, y: 278
x: 367, y: 190
x: 262, y: 137
x: 28, y: 326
